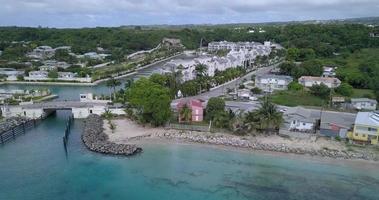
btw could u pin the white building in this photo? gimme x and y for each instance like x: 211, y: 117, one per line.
x: 329, y: 72
x: 38, y: 74
x: 300, y: 120
x: 42, y: 52
x: 309, y: 81
x: 270, y: 83
x: 364, y: 104
x: 89, y: 97
x: 47, y: 68
x: 66, y: 75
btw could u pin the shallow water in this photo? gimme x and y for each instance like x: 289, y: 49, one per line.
x: 34, y: 166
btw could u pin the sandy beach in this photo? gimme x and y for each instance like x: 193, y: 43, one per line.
x: 129, y: 132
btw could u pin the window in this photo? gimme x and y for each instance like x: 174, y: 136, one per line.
x: 90, y: 111
x: 356, y: 134
x: 364, y: 135
x: 303, y: 124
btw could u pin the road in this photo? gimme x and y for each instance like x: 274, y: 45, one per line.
x: 220, y: 90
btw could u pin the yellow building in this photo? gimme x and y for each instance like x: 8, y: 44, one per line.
x: 366, y: 128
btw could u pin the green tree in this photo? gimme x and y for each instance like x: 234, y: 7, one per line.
x: 150, y: 100
x: 292, y: 54
x: 53, y: 74
x: 267, y: 118
x: 215, y: 105
x: 185, y: 113
x: 320, y: 90
x: 113, y: 83
x: 295, y: 86
x: 345, y: 89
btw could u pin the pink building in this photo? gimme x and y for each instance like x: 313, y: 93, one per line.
x: 196, y: 107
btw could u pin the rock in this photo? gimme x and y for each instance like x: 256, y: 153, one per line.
x: 96, y: 140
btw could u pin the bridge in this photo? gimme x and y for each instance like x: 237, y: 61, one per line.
x: 79, y: 109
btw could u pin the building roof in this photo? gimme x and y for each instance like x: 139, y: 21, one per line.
x: 368, y: 118
x: 355, y: 100
x: 301, y: 114
x: 340, y: 119
x: 273, y: 76
x: 319, y: 79
x: 190, y: 103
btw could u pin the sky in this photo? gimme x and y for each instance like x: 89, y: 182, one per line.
x: 109, y: 13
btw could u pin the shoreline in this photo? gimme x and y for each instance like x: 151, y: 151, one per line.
x: 160, y: 141
x: 128, y: 132
x: 152, y: 140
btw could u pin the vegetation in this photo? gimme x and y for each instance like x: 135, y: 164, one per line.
x: 266, y: 119
x: 149, y: 101
x: 215, y: 106
x: 296, y: 98
x: 320, y: 90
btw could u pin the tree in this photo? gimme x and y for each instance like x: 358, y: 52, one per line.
x: 215, y: 105
x: 320, y: 90
x: 345, y: 89
x: 53, y: 74
x: 151, y: 101
x: 256, y: 90
x: 292, y: 54
x: 267, y: 118
x: 112, y: 83
x: 201, y: 70
x: 185, y: 113
x: 295, y: 86
x: 20, y: 77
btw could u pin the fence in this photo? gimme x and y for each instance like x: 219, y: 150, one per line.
x: 67, y: 131
x: 13, y: 132
x: 189, y: 127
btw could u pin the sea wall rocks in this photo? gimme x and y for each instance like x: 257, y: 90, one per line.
x: 241, y: 142
x: 96, y: 140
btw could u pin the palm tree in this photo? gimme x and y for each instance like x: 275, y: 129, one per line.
x: 185, y: 114
x: 112, y: 83
x: 267, y: 118
x: 201, y: 70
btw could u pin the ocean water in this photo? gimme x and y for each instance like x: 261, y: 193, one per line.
x: 35, y: 167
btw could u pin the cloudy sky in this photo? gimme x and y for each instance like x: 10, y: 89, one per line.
x: 90, y: 13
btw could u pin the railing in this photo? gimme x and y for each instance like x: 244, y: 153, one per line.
x: 13, y: 132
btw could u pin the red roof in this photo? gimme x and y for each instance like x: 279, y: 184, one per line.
x: 190, y: 103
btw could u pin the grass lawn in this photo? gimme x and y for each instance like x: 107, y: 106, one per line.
x: 297, y: 98
x: 361, y: 93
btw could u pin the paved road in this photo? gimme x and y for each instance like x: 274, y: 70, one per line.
x: 221, y: 89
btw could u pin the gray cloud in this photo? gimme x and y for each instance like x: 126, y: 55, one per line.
x: 79, y: 13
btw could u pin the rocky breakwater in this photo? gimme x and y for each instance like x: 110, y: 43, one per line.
x: 96, y: 140
x: 250, y: 143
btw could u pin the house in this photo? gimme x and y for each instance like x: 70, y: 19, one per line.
x: 47, y: 68
x: 366, y: 128
x: 38, y: 74
x: 270, y: 83
x: 328, y: 72
x: 172, y: 43
x: 196, y: 107
x: 364, y: 104
x: 335, y: 124
x: 66, y: 75
x: 309, y: 81
x: 10, y: 72
x: 300, y: 120
x: 244, y: 94
x: 42, y: 52
x: 89, y: 97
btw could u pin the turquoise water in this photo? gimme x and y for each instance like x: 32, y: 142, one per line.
x: 34, y: 166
